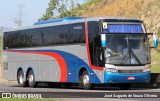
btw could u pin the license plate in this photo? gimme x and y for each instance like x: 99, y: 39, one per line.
x: 131, y: 78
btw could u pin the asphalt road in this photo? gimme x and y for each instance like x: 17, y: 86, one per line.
x: 75, y: 93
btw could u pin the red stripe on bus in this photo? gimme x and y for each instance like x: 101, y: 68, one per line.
x: 61, y: 62
x: 88, y: 52
x: 59, y: 58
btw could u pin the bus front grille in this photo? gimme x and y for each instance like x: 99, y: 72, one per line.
x: 130, y: 71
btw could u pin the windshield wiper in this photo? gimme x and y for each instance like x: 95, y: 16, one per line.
x: 129, y: 52
x: 135, y: 56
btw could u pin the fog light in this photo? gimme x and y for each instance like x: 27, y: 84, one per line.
x: 146, y: 69
x: 111, y: 70
x: 110, y: 81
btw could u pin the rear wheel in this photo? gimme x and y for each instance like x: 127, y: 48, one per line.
x: 84, y: 80
x: 31, y: 79
x: 20, y: 78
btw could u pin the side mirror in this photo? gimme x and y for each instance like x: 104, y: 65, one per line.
x: 155, y: 40
x: 103, y: 40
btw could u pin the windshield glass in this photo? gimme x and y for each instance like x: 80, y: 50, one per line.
x: 127, y: 50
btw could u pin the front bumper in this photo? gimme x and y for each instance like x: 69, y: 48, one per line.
x: 110, y: 77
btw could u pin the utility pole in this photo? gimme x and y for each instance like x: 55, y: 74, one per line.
x: 19, y: 21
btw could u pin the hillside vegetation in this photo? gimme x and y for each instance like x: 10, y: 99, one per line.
x: 146, y: 10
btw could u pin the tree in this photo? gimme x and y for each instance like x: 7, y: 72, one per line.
x: 67, y: 8
x: 60, y: 9
x: 49, y: 11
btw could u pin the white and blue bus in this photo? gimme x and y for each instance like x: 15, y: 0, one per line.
x: 84, y: 51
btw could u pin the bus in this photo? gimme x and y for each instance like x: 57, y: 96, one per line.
x: 87, y: 51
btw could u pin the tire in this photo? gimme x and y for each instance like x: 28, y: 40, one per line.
x: 20, y: 79
x: 124, y: 86
x: 155, y: 80
x: 158, y: 78
x: 156, y: 84
x: 31, y: 79
x: 84, y: 80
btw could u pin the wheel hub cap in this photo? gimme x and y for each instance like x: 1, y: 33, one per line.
x: 85, y: 80
x: 31, y: 78
x: 21, y: 79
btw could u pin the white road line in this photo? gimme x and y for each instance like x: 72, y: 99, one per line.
x: 114, y: 99
x: 78, y: 90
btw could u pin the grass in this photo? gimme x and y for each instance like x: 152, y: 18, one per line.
x: 155, y: 68
x: 84, y: 7
x: 155, y: 59
x: 89, y: 3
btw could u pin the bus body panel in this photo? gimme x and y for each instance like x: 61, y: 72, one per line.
x: 123, y: 78
x: 46, y: 68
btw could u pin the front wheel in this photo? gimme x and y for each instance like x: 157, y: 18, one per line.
x: 31, y: 79
x: 20, y: 79
x: 85, y: 81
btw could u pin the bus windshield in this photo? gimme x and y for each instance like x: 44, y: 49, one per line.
x: 127, y: 50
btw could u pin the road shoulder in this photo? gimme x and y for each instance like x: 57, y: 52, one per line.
x: 4, y: 81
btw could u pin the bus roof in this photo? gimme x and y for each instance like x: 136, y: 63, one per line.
x: 69, y: 20
x: 57, y: 20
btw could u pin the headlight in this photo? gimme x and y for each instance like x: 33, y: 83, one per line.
x: 111, y: 70
x: 146, y: 69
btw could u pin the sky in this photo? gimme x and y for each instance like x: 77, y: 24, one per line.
x: 32, y: 11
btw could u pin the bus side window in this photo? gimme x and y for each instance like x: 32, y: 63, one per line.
x: 29, y: 40
x: 43, y: 37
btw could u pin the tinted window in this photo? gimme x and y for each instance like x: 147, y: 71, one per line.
x: 94, y: 43
x: 54, y: 35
